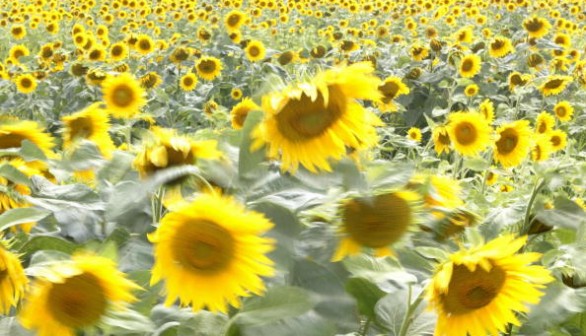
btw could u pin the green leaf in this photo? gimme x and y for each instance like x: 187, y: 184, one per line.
x: 18, y: 216
x: 48, y: 243
x: 366, y: 294
x: 11, y: 173
x: 384, y: 272
x: 119, y: 168
x: 391, y: 310
x: 476, y: 164
x: 565, y: 214
x: 9, y: 326
x: 126, y: 322
x: 430, y: 252
x: 31, y: 152
x: 203, y: 323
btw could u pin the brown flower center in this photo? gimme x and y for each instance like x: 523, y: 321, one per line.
x: 508, y: 141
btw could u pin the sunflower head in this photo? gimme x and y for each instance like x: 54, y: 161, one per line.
x: 486, y: 108
x: 255, y: 51
x: 414, y: 134
x: 13, y: 134
x: 118, y: 51
x: 391, y: 88
x: 536, y: 27
x: 500, y: 46
x: 13, y: 281
x: 123, y: 95
x: 441, y: 139
x: 558, y: 139
x: 26, y: 83
x: 555, y: 85
x: 469, y: 66
x: 188, y: 82
x: 541, y: 149
x: 469, y: 132
x: 90, y: 124
x: 144, y: 44
x: 240, y: 111
x: 564, y: 111
x: 208, y: 67
x: 471, y: 90
x: 513, y: 143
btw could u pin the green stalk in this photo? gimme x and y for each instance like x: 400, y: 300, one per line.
x: 536, y: 190
x: 410, y: 310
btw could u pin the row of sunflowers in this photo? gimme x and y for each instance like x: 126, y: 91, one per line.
x: 340, y: 167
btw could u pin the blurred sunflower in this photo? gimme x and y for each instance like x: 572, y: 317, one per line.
x: 240, y: 111
x: 210, y: 252
x: 75, y: 295
x: 478, y: 290
x: 418, y: 52
x: 118, y: 51
x: 486, y: 109
x: 234, y: 20
x: 541, y: 149
x: 18, y: 51
x: 313, y: 122
x: 517, y: 79
x: 236, y: 93
x: 375, y: 222
x: 544, y: 123
x: 441, y: 139
x: 513, y: 143
x: 25, y: 83
x: 13, y: 281
x: 563, y: 40
x: 255, y: 51
x: 18, y: 31
x: 471, y: 90
x: 150, y: 80
x: 208, y: 67
x: 469, y: 132
x: 13, y: 134
x: 414, y: 134
x: 144, y: 44
x: 123, y: 95
x: 500, y: 46
x: 188, y: 82
x: 536, y: 27
x: 469, y: 66
x: 564, y: 111
x: 558, y: 139
x: 89, y: 124
x: 391, y: 88
x: 554, y: 84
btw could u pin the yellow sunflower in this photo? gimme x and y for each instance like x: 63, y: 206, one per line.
x: 208, y: 67
x: 558, y: 139
x: 418, y: 52
x: 188, y: 82
x: 544, y: 123
x: 564, y: 111
x: 150, y: 80
x: 478, y: 290
x: 513, y: 143
x: 168, y: 149
x: 441, y: 139
x: 500, y: 46
x: 12, y: 135
x: 118, y: 51
x: 563, y: 40
x: 90, y: 124
x: 144, y: 44
x: 25, y: 83
x: 317, y: 121
x: 517, y: 79
x: 469, y: 132
x: 255, y: 51
x: 486, y: 108
x: 391, y: 88
x: 12, y: 194
x: 210, y: 252
x: 471, y: 90
x: 375, y: 222
x: 470, y: 66
x: 536, y: 27
x: 414, y: 134
x: 541, y: 149
x: 18, y: 31
x: 75, y: 295
x: 240, y: 111
x: 123, y: 95
x: 18, y: 51
x: 236, y: 93
x: 234, y: 20
x: 13, y: 281
x: 554, y: 85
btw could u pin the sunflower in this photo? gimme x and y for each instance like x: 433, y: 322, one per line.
x: 144, y: 44
x: 255, y: 51
x: 96, y: 53
x: 123, y: 95
x: 236, y: 94
x: 558, y: 139
x: 168, y: 149
x: 544, y: 123
x: 12, y: 194
x: 469, y: 66
x: 414, y: 134
x: 150, y: 80
x: 441, y: 139
x: 240, y: 111
x: 208, y: 67
x: 536, y: 27
x: 313, y: 122
x: 234, y: 20
x: 188, y: 82
x: 76, y: 295
x: 25, y: 83
x: 478, y: 290
x: 513, y: 143
x: 486, y: 108
x: 13, y: 281
x: 517, y: 79
x: 564, y: 111
x: 562, y: 40
x: 500, y: 46
x: 418, y: 52
x: 391, y: 88
x: 210, y: 253
x: 90, y: 124
x: 13, y: 134
x: 469, y: 132
x: 471, y: 90
x: 18, y: 51
x: 541, y: 149
x: 18, y: 31
x: 118, y: 51
x: 375, y: 222
x: 554, y: 85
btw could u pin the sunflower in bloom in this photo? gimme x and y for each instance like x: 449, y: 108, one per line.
x: 536, y: 27
x: 469, y: 132
x: 90, y: 124
x: 188, y: 82
x: 516, y: 79
x: 18, y: 51
x: 144, y: 44
x: 513, y: 143
x: 211, y: 252
x: 13, y: 134
x: 75, y: 295
x: 554, y: 85
x: 500, y: 46
x: 12, y: 194
x: 236, y: 93
x: 391, y: 88
x: 541, y: 149
x: 564, y: 111
x: 471, y: 90
x: 441, y: 139
x: 255, y: 51
x: 558, y: 139
x: 418, y: 52
x: 478, y: 290
x: 240, y: 111
x: 13, y: 281
x: 544, y: 123
x: 312, y: 122
x: 208, y: 67
x: 123, y: 95
x: 118, y: 51
x: 26, y: 83
x: 486, y: 109
x: 234, y: 20
x: 375, y: 222
x: 414, y: 134
x: 469, y: 66
x: 18, y: 31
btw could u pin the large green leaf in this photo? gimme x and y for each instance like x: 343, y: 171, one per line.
x: 18, y: 216
x: 366, y: 294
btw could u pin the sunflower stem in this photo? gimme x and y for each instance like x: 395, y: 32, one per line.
x: 412, y: 306
x: 364, y: 327
x: 536, y: 190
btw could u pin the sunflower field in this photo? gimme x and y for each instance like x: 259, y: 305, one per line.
x: 295, y: 167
